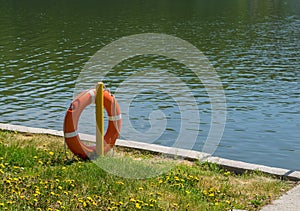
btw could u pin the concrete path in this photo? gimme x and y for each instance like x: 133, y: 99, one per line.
x: 288, y: 202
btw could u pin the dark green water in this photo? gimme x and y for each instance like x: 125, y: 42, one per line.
x: 254, y: 46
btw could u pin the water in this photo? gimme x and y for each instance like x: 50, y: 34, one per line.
x: 253, y: 45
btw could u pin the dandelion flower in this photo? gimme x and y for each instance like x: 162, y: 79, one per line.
x: 138, y: 206
x: 120, y: 183
x: 132, y: 200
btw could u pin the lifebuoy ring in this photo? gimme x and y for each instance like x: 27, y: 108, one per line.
x: 72, y: 117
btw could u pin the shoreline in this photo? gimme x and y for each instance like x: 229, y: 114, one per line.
x: 233, y: 165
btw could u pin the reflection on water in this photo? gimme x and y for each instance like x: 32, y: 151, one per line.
x: 254, y: 46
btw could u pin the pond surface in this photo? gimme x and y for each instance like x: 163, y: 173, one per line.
x: 253, y: 45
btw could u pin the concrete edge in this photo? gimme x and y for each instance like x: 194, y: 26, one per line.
x: 236, y: 166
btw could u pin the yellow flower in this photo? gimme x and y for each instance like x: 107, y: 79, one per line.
x: 120, y: 183
x: 227, y: 173
x: 138, y: 206
x: 59, y: 187
x: 1, y: 204
x: 228, y: 202
x: 63, y: 168
x: 51, y: 153
x: 152, y: 201
x: 59, y: 202
x: 132, y: 200
x: 204, y: 192
x: 140, y: 188
x: 211, y: 195
x: 188, y: 192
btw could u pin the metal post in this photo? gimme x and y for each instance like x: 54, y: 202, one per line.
x: 99, y: 119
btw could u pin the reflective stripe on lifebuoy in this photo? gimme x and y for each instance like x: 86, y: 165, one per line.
x: 72, y: 117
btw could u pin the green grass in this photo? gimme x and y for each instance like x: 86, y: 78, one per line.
x: 36, y: 175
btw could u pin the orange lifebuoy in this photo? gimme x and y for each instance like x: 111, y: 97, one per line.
x: 72, y: 117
